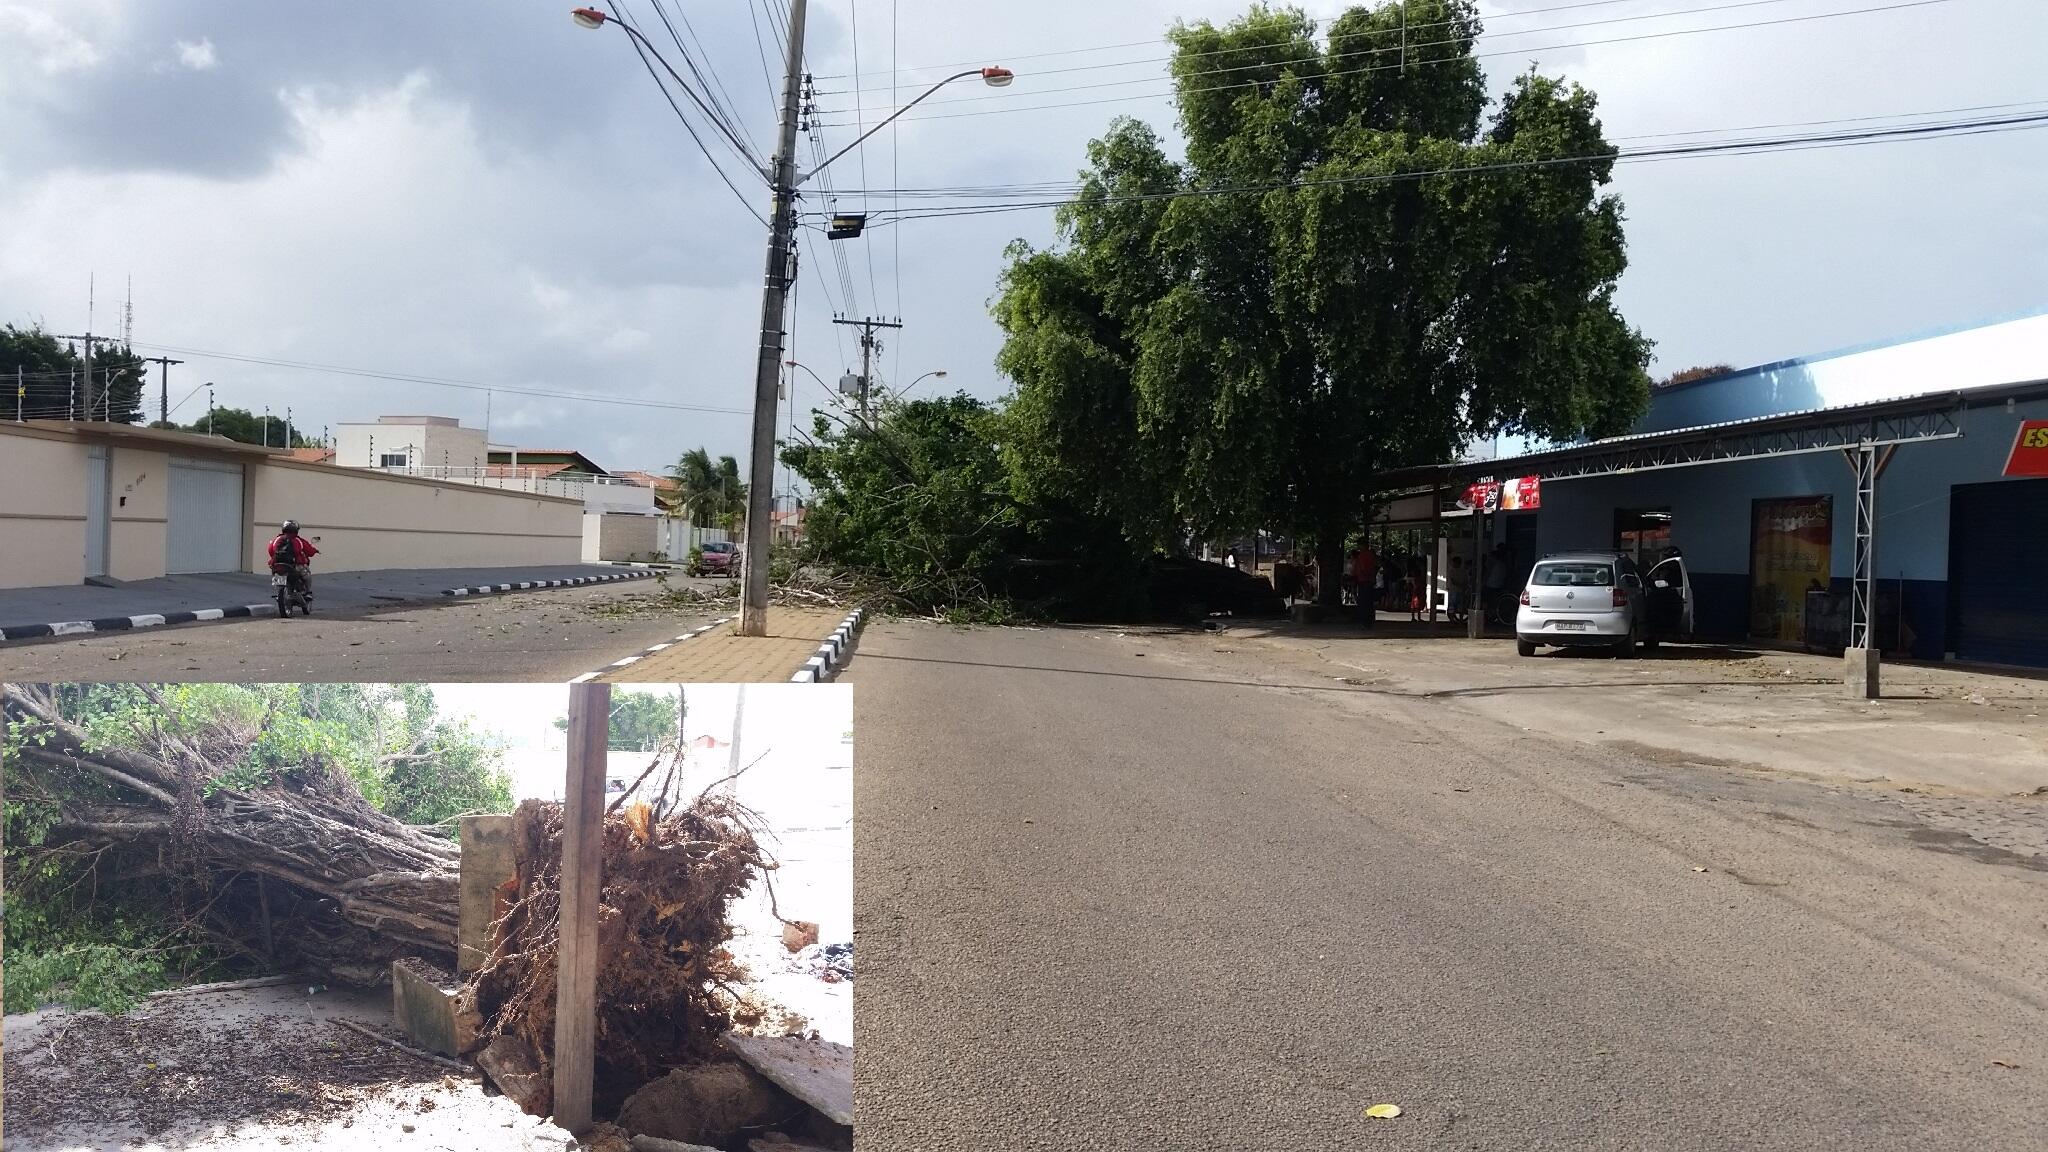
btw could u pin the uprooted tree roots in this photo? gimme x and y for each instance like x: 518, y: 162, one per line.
x: 300, y: 873
x: 662, y: 931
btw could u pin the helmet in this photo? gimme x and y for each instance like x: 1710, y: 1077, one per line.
x: 290, y: 527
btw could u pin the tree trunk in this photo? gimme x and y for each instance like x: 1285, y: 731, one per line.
x: 1330, y: 568
x: 349, y: 889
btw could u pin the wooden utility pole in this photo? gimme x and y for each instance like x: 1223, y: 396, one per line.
x: 576, y: 959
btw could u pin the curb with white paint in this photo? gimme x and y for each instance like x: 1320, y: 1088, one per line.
x: 566, y: 582
x: 646, y: 652
x: 833, y: 654
x: 245, y: 611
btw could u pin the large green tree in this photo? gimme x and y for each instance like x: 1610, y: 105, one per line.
x: 710, y: 494
x: 1354, y: 268
x: 51, y: 373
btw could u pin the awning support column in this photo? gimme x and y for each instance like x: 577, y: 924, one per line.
x: 1867, y: 462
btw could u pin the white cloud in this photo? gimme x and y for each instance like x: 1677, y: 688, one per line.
x: 198, y: 57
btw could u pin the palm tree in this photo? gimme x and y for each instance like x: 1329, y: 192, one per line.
x: 709, y: 494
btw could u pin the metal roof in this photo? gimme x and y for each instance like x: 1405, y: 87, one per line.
x: 1933, y: 415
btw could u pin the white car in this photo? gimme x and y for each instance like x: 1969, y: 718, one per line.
x: 1599, y: 599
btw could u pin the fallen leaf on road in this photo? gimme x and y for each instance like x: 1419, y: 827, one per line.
x: 1461, y: 789
x: 117, y: 655
x: 1383, y: 1111
x: 1697, y: 868
x: 2005, y: 1064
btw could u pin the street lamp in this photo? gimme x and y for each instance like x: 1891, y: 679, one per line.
x: 905, y: 390
x: 783, y: 182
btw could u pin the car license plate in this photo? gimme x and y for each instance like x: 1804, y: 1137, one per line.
x: 1571, y: 625
x: 277, y: 581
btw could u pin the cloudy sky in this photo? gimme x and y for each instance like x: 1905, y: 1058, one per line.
x: 482, y: 192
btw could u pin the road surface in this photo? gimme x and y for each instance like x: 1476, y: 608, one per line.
x: 549, y: 635
x: 1133, y: 891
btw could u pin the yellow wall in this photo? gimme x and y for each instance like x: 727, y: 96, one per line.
x: 42, y: 510
x: 140, y: 496
x: 362, y: 519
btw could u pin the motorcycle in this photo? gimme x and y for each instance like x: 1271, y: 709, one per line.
x: 290, y: 583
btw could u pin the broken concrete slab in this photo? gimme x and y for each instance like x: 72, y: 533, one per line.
x: 798, y: 935
x: 817, y: 1072
x: 512, y: 1066
x: 424, y: 1008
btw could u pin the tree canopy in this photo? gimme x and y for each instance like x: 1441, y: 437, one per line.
x: 1354, y: 268
x: 640, y: 721
x: 246, y: 427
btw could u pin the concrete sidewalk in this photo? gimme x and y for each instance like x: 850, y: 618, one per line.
x: 79, y: 609
x: 715, y: 655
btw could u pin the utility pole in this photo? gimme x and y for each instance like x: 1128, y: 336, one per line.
x: 20, y: 391
x: 287, y: 427
x: 209, y: 407
x: 88, y: 338
x: 266, y: 425
x: 768, y: 371
x: 163, y: 396
x: 869, y: 345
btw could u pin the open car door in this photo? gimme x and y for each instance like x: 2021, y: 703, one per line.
x: 1670, y: 598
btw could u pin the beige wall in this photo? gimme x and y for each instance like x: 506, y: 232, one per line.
x: 362, y: 519
x: 42, y: 510
x: 623, y: 536
x: 140, y: 505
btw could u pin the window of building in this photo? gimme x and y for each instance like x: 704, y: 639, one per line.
x: 392, y: 460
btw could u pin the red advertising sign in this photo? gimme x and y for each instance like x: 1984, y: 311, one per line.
x: 2029, y: 456
x: 1519, y: 495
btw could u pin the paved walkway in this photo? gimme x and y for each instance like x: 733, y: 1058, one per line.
x: 339, y: 593
x: 720, y: 657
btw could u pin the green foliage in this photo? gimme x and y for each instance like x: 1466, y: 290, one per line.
x: 917, y: 498
x: 52, y: 375
x: 641, y: 721
x: 710, y: 495
x: 1400, y: 275
x: 243, y: 426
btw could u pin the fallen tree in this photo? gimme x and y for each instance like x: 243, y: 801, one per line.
x: 290, y: 866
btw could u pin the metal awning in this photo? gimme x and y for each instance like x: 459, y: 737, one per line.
x: 1933, y: 416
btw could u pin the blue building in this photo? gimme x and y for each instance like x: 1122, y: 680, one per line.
x: 1753, y: 477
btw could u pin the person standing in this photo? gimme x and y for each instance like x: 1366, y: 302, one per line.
x: 1493, y: 572
x: 1364, y: 566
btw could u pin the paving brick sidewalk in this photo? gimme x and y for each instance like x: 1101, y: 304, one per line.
x: 720, y: 657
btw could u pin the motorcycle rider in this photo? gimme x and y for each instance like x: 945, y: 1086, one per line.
x: 288, y: 547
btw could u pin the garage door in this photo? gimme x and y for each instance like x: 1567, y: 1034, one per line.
x: 1998, y: 572
x: 205, y: 530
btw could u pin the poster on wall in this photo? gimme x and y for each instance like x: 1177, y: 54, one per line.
x: 1790, y: 541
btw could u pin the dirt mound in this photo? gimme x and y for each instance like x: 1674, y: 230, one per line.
x: 707, y: 1104
x: 662, y: 932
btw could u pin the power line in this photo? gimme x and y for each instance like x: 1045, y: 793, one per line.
x: 1903, y: 4
x: 691, y: 129
x: 1378, y: 32
x: 1722, y: 147
x: 706, y: 76
x: 1012, y: 56
x: 867, y: 254
x: 443, y: 382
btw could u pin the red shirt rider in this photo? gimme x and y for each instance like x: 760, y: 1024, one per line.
x: 296, y: 549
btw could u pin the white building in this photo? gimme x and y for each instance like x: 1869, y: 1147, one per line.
x: 421, y: 445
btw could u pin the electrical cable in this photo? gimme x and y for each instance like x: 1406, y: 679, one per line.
x: 442, y: 381
x: 1753, y: 146
x: 691, y: 129
x: 853, y: 12
x: 708, y: 78
x: 1903, y: 4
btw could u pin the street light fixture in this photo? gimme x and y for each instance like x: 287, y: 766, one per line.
x: 905, y: 391
x: 783, y: 182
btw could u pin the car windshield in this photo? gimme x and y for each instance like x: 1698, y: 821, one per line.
x: 1573, y: 574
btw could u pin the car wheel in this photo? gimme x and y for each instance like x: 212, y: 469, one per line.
x: 1524, y: 648
x: 1626, y: 648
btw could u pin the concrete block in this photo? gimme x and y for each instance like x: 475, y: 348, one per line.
x: 424, y: 1010
x: 487, y: 863
x: 1860, y: 672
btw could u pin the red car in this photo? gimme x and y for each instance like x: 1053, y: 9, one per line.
x: 716, y: 558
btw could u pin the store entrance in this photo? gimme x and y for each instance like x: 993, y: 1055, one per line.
x: 1643, y: 533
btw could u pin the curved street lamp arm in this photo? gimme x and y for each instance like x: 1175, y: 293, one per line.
x: 879, y: 126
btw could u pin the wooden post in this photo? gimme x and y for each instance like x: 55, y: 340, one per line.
x: 582, y: 877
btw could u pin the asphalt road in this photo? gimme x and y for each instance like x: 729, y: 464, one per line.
x: 1120, y: 891
x: 549, y: 635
